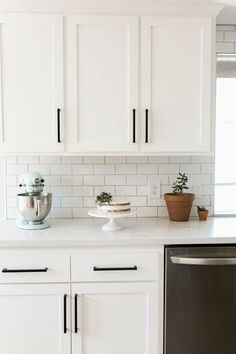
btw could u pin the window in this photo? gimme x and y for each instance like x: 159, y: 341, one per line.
x: 225, y: 153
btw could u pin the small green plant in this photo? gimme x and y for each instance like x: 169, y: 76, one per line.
x: 103, y: 198
x: 201, y: 208
x: 180, y: 184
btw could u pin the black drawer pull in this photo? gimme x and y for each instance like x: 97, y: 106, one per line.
x: 65, y: 313
x: 146, y: 125
x: 58, y: 125
x: 134, y: 126
x: 36, y: 270
x: 107, y: 269
x: 76, y: 313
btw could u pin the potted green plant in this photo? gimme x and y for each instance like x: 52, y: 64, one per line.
x: 202, y: 213
x: 179, y: 204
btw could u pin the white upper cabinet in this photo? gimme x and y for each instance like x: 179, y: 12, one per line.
x: 31, y: 97
x: 176, y: 84
x: 102, y: 88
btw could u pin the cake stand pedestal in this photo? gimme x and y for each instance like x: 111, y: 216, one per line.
x: 111, y: 225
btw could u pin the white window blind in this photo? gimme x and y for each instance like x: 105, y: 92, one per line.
x: 225, y: 152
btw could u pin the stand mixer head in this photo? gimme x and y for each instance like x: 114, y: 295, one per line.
x: 34, y: 205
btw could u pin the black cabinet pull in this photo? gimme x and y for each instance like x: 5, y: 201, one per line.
x: 58, y: 125
x: 134, y: 126
x: 107, y: 269
x: 36, y: 270
x: 65, y: 313
x: 76, y: 313
x: 146, y: 125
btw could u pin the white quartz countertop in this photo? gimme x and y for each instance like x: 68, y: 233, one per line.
x: 143, y: 231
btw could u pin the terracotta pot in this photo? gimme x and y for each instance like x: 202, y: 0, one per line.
x: 179, y: 205
x: 202, y: 214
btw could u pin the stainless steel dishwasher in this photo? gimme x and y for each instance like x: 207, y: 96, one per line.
x: 200, y: 300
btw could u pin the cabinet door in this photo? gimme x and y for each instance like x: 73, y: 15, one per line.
x: 102, y: 83
x: 177, y: 83
x: 31, y: 56
x: 32, y: 319
x: 116, y: 318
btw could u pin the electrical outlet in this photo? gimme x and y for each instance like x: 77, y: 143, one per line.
x: 154, y: 187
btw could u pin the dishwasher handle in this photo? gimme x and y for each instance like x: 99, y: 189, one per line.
x: 202, y: 261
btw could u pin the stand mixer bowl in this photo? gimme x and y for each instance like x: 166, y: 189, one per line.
x: 34, y: 207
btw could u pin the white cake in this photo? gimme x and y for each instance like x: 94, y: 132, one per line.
x: 116, y: 206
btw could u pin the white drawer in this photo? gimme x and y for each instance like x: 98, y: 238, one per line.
x: 115, y: 267
x: 34, y: 268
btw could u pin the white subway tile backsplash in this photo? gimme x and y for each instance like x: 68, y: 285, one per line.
x: 114, y: 180
x: 50, y: 160
x: 11, y: 180
x: 93, y: 180
x: 28, y: 159
x: 52, y: 180
x: 125, y: 191
x: 11, y: 160
x: 158, y: 159
x: 146, y: 212
x: 82, y: 191
x: 108, y: 189
x: 219, y: 36
x: 137, y: 180
x: 115, y: 159
x: 82, y: 169
x: 230, y: 36
x: 80, y: 213
x: 162, y: 212
x: 126, y: 169
x: 94, y: 159
x: 168, y: 168
x: 61, y: 170
x: 137, y: 159
x: 61, y: 191
x: 16, y: 169
x: 179, y: 159
x: 71, y: 202
x: 222, y: 47
x: 43, y: 169
x: 142, y: 190
x: 146, y: 168
x: 88, y: 202
x: 75, y: 181
x: 71, y: 180
x: 72, y: 159
x: 207, y: 168
x: 225, y: 28
x: 61, y: 213
x: 190, y: 168
x: 103, y: 169
x: 201, y: 159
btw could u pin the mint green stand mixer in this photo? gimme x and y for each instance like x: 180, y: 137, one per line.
x: 34, y: 205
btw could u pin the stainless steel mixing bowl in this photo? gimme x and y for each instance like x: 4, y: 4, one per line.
x: 34, y: 208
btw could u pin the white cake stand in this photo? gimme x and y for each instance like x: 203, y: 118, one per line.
x: 111, y: 225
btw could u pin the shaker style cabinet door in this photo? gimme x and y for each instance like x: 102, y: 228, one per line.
x: 102, y: 85
x: 115, y: 318
x: 31, y: 76
x: 33, y: 319
x: 176, y: 84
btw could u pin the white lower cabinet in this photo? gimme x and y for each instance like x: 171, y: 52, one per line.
x: 32, y: 319
x: 117, y: 318
x: 102, y: 303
